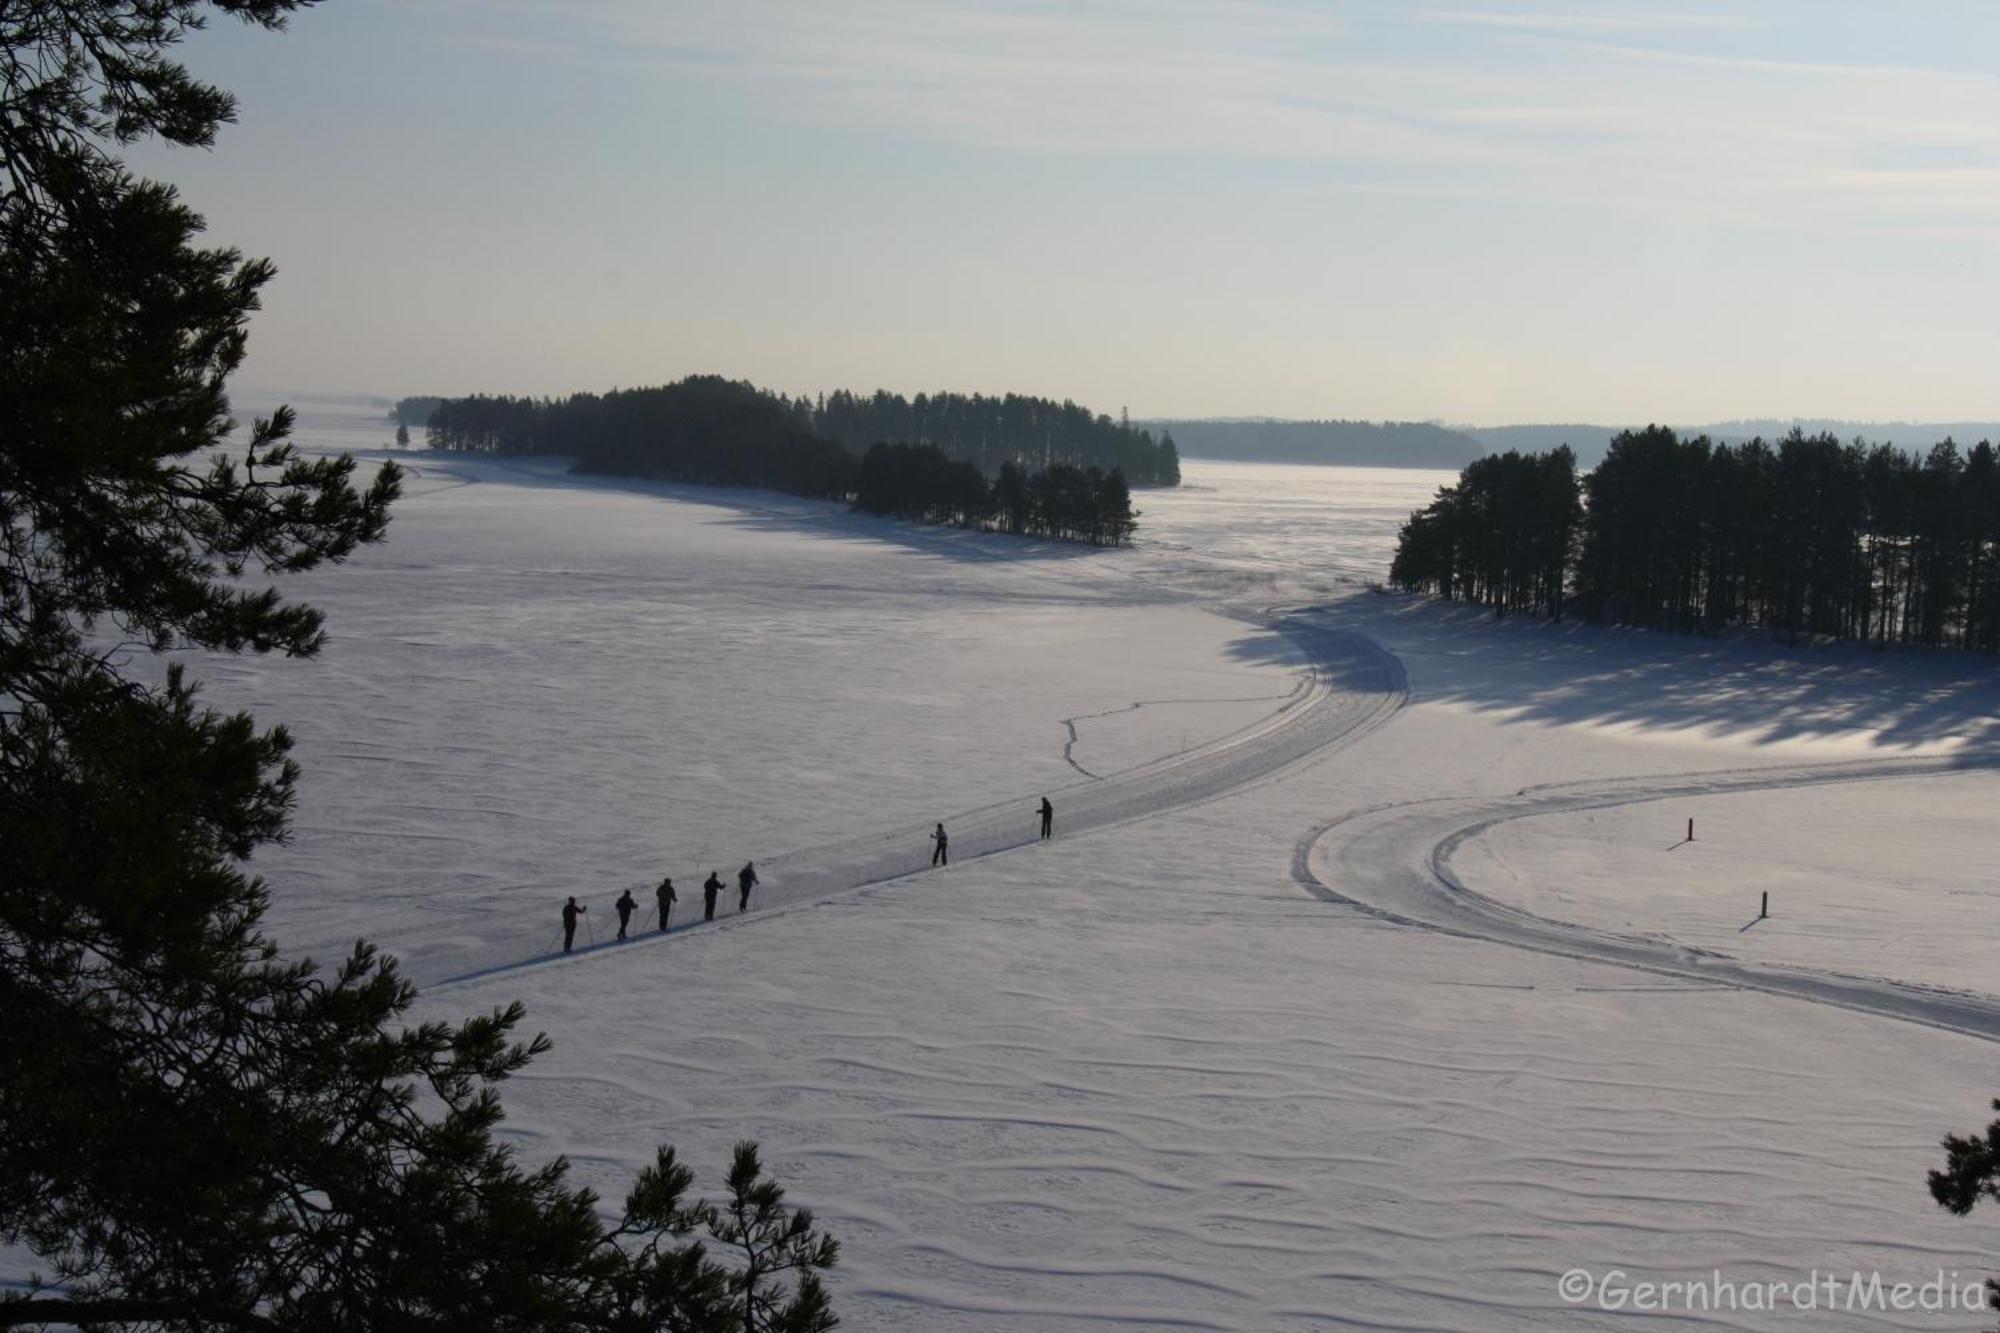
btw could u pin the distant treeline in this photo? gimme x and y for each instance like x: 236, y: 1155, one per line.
x: 1351, y: 443
x: 917, y: 481
x: 712, y: 431
x: 987, y: 432
x: 704, y: 429
x: 414, y: 411
x: 652, y: 428
x: 1808, y: 536
x: 1590, y: 441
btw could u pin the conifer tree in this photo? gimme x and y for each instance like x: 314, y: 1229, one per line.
x: 1971, y: 1175
x: 195, y: 1132
x: 1804, y: 537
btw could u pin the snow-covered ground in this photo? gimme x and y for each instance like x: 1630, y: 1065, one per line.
x: 1225, y: 1054
x: 1901, y: 881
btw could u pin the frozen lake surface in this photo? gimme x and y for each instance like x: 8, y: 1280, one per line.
x: 1210, y: 1059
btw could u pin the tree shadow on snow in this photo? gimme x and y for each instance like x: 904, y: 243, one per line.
x: 762, y: 510
x: 1343, y: 662
x: 1750, y: 686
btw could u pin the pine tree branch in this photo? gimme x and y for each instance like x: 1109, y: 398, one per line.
x: 85, y: 1312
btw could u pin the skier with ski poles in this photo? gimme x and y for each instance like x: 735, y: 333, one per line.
x: 1048, y: 818
x: 939, y: 856
x: 746, y: 880
x: 571, y: 910
x: 709, y: 888
x: 626, y: 905
x: 666, y: 895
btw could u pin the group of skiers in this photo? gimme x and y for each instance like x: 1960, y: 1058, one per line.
x: 746, y: 880
x: 666, y: 896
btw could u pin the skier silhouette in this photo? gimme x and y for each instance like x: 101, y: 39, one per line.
x: 665, y: 893
x: 709, y: 888
x: 746, y: 880
x: 1048, y: 818
x: 940, y: 857
x: 626, y: 905
x: 570, y: 913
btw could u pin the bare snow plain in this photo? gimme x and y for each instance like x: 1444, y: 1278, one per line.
x: 1229, y: 1052
x: 1845, y: 891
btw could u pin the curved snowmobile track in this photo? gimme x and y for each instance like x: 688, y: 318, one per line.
x: 1350, y: 687
x: 1394, y: 862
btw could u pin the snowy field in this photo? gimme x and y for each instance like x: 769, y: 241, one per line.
x: 1295, y: 1025
x: 1903, y: 884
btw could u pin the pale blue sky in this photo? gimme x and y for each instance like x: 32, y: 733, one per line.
x: 1467, y: 211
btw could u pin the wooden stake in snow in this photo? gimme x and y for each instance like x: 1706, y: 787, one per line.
x: 1764, y: 909
x: 1690, y: 828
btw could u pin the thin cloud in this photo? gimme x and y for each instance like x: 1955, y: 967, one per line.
x: 1750, y: 64
x: 1549, y: 21
x: 1730, y: 135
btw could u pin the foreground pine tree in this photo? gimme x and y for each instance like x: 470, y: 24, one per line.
x: 1971, y: 1173
x: 196, y: 1133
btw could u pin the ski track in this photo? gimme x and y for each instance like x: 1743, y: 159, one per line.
x: 1390, y: 861
x: 1354, y: 687
x: 1207, y: 1154
x: 1393, y: 862
x: 1076, y: 737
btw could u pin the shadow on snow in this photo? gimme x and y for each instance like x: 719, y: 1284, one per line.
x: 1747, y: 685
x: 753, y: 509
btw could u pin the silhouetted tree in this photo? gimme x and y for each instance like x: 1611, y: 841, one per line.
x: 1971, y: 1175
x: 990, y: 432
x: 705, y: 428
x: 1500, y: 537
x: 195, y: 1133
x: 917, y: 481
x: 415, y: 411
x: 1010, y: 497
x: 1811, y: 537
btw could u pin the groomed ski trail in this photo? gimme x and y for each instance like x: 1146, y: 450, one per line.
x: 1394, y: 862
x: 1352, y: 687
